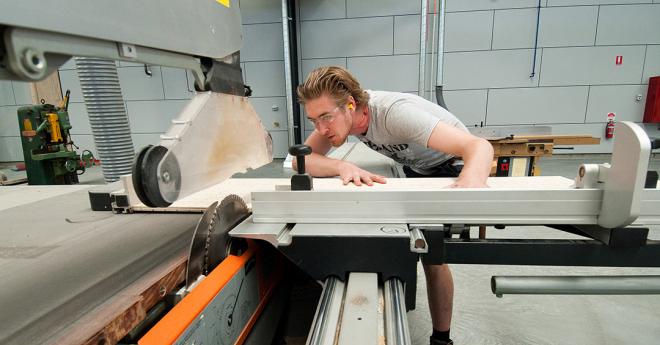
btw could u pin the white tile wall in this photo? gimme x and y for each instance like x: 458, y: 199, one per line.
x: 141, y: 140
x: 594, y: 2
x: 618, y: 99
x: 468, y: 31
x: 651, y: 63
x: 270, y: 47
x: 468, y: 105
x: 79, y: 119
x: 176, y: 84
x: 406, y: 28
x: 153, y: 116
x: 310, y: 64
x: 6, y: 93
x: 514, y: 28
x: 559, y: 26
x: 11, y: 149
x: 629, y: 24
x: 539, y: 105
x: 10, y: 142
x: 70, y: 64
x: 322, y: 9
x: 138, y: 86
x: 272, y: 111
x: 592, y: 65
x: 339, y: 38
x: 280, y: 143
x: 69, y: 81
x: 22, y: 92
x: 361, y: 8
x: 489, y: 69
x: 85, y: 142
x: 391, y: 73
x: 9, y: 121
x: 261, y: 11
x: 476, y: 5
x: 265, y: 78
x: 568, y: 26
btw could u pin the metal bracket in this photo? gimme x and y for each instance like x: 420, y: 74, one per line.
x: 418, y: 242
x: 127, y: 50
x: 33, y: 54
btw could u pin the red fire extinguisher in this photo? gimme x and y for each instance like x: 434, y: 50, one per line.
x: 609, y: 128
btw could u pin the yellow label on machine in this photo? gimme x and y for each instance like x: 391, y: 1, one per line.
x: 27, y: 125
x: 55, y: 133
x: 224, y: 2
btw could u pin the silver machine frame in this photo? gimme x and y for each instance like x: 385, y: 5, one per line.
x: 608, y: 205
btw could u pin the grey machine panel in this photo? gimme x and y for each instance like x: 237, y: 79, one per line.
x: 223, y: 319
x: 202, y: 28
x: 59, y: 260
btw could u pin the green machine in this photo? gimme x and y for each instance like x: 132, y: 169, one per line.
x: 48, y: 150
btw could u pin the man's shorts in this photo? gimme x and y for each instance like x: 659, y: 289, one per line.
x: 448, y: 168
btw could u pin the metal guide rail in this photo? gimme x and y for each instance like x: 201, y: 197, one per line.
x: 609, y: 196
x: 360, y: 311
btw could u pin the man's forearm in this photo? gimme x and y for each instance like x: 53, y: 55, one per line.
x: 478, y: 161
x: 319, y: 165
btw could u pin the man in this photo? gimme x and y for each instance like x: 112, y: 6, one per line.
x: 417, y: 133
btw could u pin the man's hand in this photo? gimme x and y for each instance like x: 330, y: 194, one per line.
x: 466, y: 182
x: 351, y: 173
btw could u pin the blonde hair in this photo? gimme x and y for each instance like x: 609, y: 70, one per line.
x: 333, y: 81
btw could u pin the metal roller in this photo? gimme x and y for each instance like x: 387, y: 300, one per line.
x: 324, y: 326
x: 575, y: 285
x: 396, y: 321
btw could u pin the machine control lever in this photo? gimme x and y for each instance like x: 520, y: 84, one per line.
x: 301, y: 180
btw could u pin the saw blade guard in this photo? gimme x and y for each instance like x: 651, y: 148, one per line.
x: 215, y: 136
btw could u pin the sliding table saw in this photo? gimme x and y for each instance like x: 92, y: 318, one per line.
x: 171, y: 265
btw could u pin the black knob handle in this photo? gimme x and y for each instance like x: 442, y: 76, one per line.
x: 300, y: 151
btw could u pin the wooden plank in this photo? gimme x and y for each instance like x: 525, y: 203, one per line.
x: 244, y: 187
x: 577, y: 141
x: 556, y: 139
x: 522, y: 149
x: 48, y: 89
x: 112, y: 320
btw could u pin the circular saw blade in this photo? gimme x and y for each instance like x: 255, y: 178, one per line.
x: 211, y: 241
x: 231, y: 211
x: 198, y: 245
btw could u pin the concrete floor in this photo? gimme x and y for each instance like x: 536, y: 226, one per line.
x: 482, y: 318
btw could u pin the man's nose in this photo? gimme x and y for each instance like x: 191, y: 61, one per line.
x: 323, y: 128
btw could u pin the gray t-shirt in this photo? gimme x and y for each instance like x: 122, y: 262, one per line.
x: 400, y: 126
